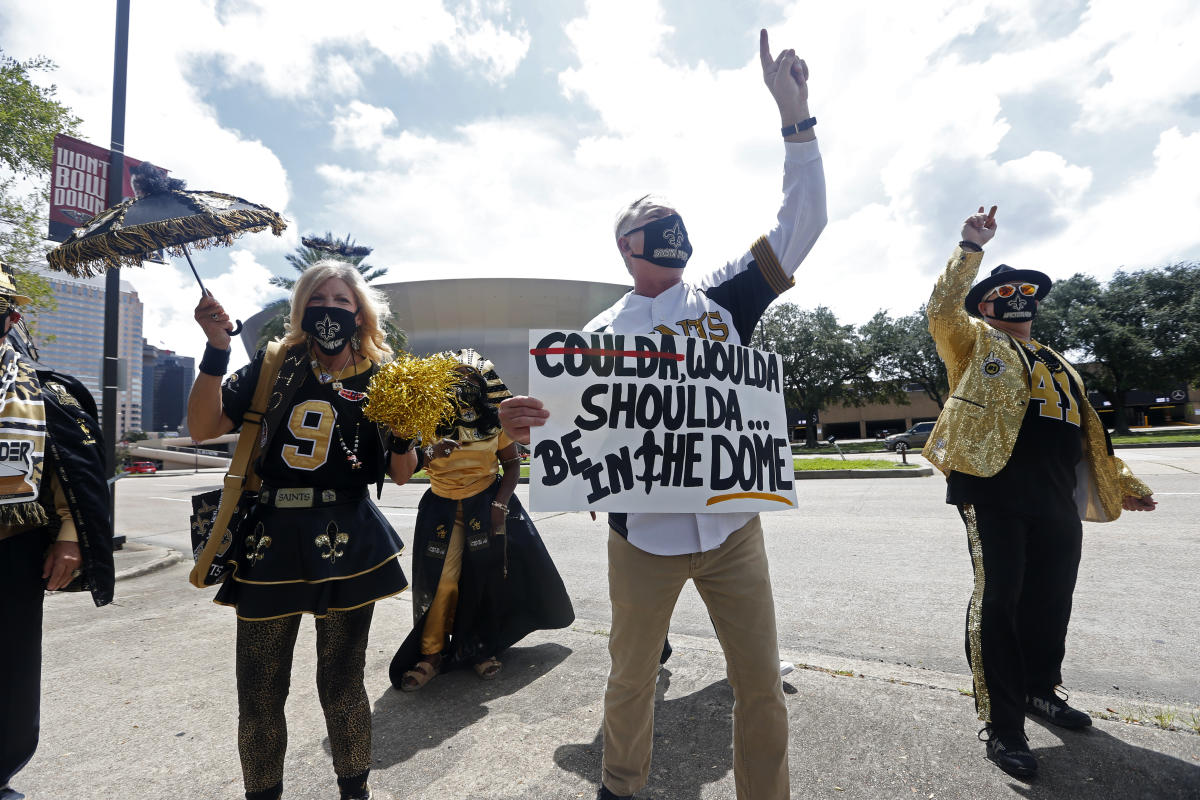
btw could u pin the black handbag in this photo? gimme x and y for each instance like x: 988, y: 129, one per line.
x: 204, y: 516
x: 217, y: 515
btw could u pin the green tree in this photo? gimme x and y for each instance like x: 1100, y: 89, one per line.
x: 30, y: 117
x: 823, y: 362
x: 902, y: 352
x: 311, y: 250
x: 1139, y: 331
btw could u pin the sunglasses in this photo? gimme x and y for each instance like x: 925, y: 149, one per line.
x: 1009, y: 289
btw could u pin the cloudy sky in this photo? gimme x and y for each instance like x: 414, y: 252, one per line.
x: 499, y: 137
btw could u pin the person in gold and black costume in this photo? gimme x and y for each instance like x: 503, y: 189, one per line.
x: 313, y: 542
x: 1026, y: 458
x: 482, y: 578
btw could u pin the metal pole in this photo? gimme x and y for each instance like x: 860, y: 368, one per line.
x: 112, y: 283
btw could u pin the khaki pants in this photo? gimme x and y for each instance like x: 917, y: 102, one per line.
x: 735, y: 584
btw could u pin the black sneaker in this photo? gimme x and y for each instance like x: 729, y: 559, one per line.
x: 1054, y: 709
x: 1010, y: 752
x: 606, y: 794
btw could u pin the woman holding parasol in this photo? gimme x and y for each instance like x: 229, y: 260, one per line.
x: 313, y: 543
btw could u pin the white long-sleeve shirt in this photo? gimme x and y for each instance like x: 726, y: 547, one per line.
x: 725, y: 305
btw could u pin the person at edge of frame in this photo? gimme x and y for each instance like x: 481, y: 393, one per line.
x: 314, y: 542
x: 55, y: 522
x: 651, y: 556
x: 1026, y: 458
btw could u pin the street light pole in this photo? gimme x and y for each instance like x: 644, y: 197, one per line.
x: 116, y: 190
x: 112, y: 281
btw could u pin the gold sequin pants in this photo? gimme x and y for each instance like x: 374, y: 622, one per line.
x: 1025, y: 568
x: 264, y: 669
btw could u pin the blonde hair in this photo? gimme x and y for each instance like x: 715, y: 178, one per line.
x: 645, y: 208
x: 372, y: 306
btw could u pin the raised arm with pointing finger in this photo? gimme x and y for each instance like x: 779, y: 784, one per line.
x: 645, y: 573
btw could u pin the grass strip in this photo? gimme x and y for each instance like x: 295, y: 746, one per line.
x: 810, y: 463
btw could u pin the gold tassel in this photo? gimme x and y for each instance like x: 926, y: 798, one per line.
x: 25, y: 515
x: 413, y: 396
x: 127, y: 247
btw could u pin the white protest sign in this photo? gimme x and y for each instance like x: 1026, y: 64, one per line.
x: 657, y: 423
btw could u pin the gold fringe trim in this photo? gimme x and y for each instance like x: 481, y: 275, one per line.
x: 93, y: 254
x: 30, y: 514
x: 310, y: 613
x: 769, y: 266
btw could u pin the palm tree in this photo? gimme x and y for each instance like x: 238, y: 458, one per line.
x: 311, y: 250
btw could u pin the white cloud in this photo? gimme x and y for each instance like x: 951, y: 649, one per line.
x: 919, y: 106
x: 913, y: 106
x: 299, y: 48
x: 1150, y: 222
x: 169, y: 295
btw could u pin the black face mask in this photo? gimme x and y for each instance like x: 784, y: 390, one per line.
x: 1017, y: 308
x: 330, y: 327
x: 665, y: 243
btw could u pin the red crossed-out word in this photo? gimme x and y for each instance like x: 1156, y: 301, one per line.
x: 596, y: 351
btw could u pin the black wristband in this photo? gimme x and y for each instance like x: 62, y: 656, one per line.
x: 974, y: 248
x: 799, y: 126
x: 215, y: 362
x: 399, y: 445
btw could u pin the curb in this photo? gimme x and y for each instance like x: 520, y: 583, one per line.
x: 919, y: 472
x: 810, y: 474
x: 1151, y: 445
x: 165, y: 560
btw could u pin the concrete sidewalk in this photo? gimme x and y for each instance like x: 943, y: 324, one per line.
x: 139, y: 702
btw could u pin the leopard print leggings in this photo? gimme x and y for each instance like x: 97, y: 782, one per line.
x: 264, y: 669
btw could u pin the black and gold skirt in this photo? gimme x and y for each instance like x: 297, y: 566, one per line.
x: 335, y: 557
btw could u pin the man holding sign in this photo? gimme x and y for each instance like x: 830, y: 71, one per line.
x: 652, y: 555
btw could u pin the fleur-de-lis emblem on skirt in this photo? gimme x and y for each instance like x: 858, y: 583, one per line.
x: 332, y: 542
x: 257, y: 544
x: 327, y: 328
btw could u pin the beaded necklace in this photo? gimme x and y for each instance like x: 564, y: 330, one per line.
x: 1044, y: 355
x: 323, y: 378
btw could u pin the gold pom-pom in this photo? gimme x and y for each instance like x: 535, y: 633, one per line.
x: 413, y: 396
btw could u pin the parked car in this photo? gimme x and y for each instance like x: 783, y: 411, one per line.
x: 914, y: 437
x: 142, y: 466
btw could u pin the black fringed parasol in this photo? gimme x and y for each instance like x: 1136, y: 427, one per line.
x: 165, y: 216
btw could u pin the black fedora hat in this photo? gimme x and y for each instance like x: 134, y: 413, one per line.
x: 1006, y: 274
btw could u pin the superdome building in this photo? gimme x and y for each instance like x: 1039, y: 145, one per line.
x: 492, y: 315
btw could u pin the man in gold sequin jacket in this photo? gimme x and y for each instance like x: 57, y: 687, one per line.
x: 1026, y: 458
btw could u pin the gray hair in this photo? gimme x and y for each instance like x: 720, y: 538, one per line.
x: 646, y: 208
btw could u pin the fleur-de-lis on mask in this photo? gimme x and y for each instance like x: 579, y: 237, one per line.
x: 674, y: 236
x: 327, y: 328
